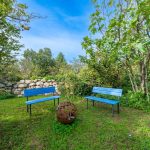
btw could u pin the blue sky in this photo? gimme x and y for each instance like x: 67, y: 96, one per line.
x: 63, y: 29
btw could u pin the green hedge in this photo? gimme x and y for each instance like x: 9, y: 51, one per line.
x: 136, y: 100
x: 6, y: 95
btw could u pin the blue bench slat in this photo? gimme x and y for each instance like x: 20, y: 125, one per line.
x: 107, y: 91
x: 41, y: 100
x: 37, y: 91
x: 112, y: 102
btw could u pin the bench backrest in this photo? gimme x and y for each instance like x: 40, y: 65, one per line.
x: 37, y: 91
x: 107, y: 91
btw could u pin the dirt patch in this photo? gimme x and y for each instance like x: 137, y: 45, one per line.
x: 82, y: 101
x: 36, y: 145
x: 117, y: 118
x: 21, y: 108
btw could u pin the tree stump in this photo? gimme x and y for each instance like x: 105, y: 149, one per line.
x: 66, y: 112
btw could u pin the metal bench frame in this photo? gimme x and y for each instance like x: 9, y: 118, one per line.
x: 37, y: 91
x: 106, y: 91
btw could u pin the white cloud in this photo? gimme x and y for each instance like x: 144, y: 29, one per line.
x: 69, y: 45
x: 59, y: 31
x: 73, y: 19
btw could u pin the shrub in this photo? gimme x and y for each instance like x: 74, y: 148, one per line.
x: 75, y: 88
x: 49, y: 77
x: 71, y: 84
x: 36, y: 77
x: 135, y: 100
x: 82, y: 88
x: 5, y: 94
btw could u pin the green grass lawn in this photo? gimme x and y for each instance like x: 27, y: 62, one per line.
x: 94, y: 129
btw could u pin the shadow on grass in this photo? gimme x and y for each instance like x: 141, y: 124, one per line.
x: 31, y: 131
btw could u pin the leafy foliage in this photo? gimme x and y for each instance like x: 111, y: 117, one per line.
x: 135, y: 100
x: 119, y: 45
x: 13, y: 19
x: 5, y: 95
x: 117, y: 51
x: 71, y: 82
x: 60, y: 59
x: 72, y: 85
x: 36, y: 63
x: 10, y: 72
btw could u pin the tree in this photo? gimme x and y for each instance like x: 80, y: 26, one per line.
x: 30, y: 55
x: 10, y: 72
x: 122, y: 39
x: 13, y: 19
x: 44, y: 61
x: 36, y: 63
x: 60, y: 59
x: 28, y: 65
x: 77, y: 65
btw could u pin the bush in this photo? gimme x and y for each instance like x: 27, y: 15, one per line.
x: 36, y: 77
x: 5, y: 95
x: 75, y: 88
x: 71, y: 84
x: 135, y: 100
x: 82, y: 88
x: 49, y: 77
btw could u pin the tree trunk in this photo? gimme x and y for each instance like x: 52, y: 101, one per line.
x: 146, y: 86
x: 142, y: 81
x: 133, y: 79
x: 133, y: 88
x: 132, y: 75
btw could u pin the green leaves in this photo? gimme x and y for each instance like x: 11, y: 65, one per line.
x: 12, y: 16
x: 60, y: 60
x: 96, y: 22
x: 22, y: 6
x: 120, y: 38
x: 140, y: 47
x: 86, y: 42
x: 111, y: 2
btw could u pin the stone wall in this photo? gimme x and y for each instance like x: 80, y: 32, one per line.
x: 18, y: 88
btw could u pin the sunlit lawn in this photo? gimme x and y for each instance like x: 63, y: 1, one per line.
x: 94, y: 129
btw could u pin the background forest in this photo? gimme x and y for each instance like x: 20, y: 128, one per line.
x: 117, y: 51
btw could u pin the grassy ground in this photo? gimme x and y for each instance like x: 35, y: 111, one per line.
x: 94, y: 129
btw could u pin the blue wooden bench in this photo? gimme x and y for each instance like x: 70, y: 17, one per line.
x: 33, y: 92
x: 106, y: 91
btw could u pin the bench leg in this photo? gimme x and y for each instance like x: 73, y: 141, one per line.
x: 58, y: 101
x: 27, y: 108
x: 87, y: 103
x: 30, y: 109
x: 118, y: 108
x: 93, y: 103
x: 112, y: 110
x: 54, y: 102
